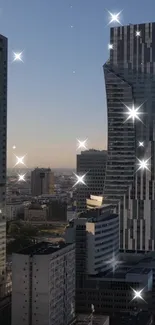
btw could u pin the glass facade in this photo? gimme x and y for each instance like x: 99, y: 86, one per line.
x: 130, y: 80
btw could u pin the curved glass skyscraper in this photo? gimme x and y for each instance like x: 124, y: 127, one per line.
x: 130, y: 84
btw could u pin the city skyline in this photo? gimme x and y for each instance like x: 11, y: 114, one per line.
x: 41, y: 122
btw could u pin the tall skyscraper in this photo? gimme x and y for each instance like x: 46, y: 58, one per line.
x: 43, y: 284
x: 3, y: 149
x: 130, y: 85
x: 42, y: 181
x: 92, y: 164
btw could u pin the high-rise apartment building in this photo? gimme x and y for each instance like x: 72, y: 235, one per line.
x: 43, y: 285
x: 92, y: 164
x: 3, y: 148
x: 130, y: 84
x: 42, y: 181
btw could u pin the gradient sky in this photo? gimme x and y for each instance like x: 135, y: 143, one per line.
x: 49, y: 106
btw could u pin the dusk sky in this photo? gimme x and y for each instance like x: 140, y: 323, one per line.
x: 57, y: 95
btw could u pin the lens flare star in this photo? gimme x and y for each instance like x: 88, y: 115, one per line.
x: 137, y: 33
x: 82, y: 144
x: 133, y: 113
x: 143, y: 164
x: 114, y: 18
x: 14, y: 147
x: 80, y: 180
x: 17, y: 56
x: 20, y: 161
x: 21, y: 178
x: 137, y: 294
x: 113, y: 263
x: 110, y: 46
x: 141, y: 144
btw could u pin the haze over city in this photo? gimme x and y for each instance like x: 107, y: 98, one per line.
x: 58, y: 92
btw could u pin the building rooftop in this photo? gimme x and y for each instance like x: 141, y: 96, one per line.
x: 122, y: 271
x: 139, y: 270
x: 142, y: 318
x: 43, y: 248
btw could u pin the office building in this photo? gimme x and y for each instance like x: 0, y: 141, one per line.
x: 42, y: 181
x: 130, y: 84
x: 92, y: 164
x: 96, y: 233
x: 43, y: 285
x: 3, y: 150
x: 103, y: 277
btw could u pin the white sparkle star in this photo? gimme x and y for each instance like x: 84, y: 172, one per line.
x: 137, y: 33
x: 17, y: 56
x: 80, y: 179
x: 20, y: 161
x: 113, y: 262
x: 115, y: 17
x: 82, y: 144
x: 133, y: 113
x: 137, y: 294
x: 72, y: 26
x: 110, y: 46
x: 141, y: 144
x: 21, y: 177
x: 14, y: 147
x: 143, y: 164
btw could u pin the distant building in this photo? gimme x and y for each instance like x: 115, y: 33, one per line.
x: 35, y: 212
x: 43, y: 285
x: 13, y: 209
x: 57, y: 210
x: 92, y: 164
x: 42, y: 181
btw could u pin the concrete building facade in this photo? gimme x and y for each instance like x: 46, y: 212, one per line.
x: 92, y: 163
x: 130, y: 83
x: 43, y: 285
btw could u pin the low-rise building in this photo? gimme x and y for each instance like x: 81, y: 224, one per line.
x: 35, y: 212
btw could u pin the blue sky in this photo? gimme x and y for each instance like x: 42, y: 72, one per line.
x: 49, y: 106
